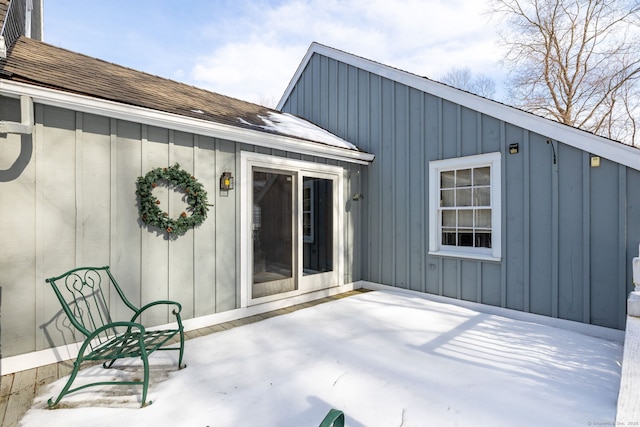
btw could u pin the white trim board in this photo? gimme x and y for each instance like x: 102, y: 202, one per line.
x: 586, y: 141
x: 35, y: 359
x: 21, y: 362
x: 582, y: 328
x: 87, y: 104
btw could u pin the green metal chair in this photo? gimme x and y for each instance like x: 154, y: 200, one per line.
x: 84, y: 296
x: 334, y: 418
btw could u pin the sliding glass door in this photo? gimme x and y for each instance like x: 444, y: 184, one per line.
x: 274, y: 232
x: 292, y: 227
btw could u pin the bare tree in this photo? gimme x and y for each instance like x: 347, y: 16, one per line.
x: 463, y: 78
x: 266, y: 101
x: 576, y: 61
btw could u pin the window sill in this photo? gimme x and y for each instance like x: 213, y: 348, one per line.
x: 465, y: 255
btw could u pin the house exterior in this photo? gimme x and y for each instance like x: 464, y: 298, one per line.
x: 365, y: 175
x: 471, y: 199
x: 76, y: 133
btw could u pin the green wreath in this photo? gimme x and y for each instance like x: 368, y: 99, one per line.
x: 148, y: 204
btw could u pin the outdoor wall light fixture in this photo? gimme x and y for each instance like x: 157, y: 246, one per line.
x: 595, y: 161
x: 357, y: 197
x: 514, y: 148
x: 226, y: 181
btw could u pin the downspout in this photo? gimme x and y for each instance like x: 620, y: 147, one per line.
x: 26, y: 118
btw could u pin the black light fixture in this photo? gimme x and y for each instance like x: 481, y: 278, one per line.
x: 514, y: 148
x: 226, y: 181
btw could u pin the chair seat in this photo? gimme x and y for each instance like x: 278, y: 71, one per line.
x: 128, y: 345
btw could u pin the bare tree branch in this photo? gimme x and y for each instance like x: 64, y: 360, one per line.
x: 463, y: 78
x: 575, y: 61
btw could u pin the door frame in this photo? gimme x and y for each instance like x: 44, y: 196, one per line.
x: 305, y: 284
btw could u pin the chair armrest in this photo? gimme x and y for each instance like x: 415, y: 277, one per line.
x: 176, y: 311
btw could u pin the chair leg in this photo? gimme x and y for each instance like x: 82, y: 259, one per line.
x: 145, y: 385
x: 76, y: 367
x: 180, y: 365
x: 108, y: 365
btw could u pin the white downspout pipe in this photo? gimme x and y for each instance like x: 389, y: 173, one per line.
x: 26, y: 118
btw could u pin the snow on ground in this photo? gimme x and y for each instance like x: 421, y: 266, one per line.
x: 383, y: 358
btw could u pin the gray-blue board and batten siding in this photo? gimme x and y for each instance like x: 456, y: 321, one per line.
x: 569, y: 230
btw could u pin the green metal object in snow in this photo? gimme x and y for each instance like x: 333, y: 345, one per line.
x: 334, y: 418
x: 84, y: 296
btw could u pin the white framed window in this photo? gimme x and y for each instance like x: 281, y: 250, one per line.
x: 465, y: 207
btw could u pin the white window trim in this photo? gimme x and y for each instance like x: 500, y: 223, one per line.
x: 494, y: 160
x: 248, y: 160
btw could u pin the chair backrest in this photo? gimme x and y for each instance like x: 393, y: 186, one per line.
x: 84, y: 296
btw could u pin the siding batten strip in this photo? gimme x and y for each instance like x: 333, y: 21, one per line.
x: 144, y: 237
x: 407, y: 183
x: 555, y: 286
x: 526, y: 269
x: 41, y: 292
x: 479, y: 264
x: 503, y: 214
x: 586, y: 233
x: 479, y: 132
x: 458, y: 130
x: 171, y: 155
x: 440, y: 128
x: 394, y: 159
x: 440, y: 276
x: 113, y: 205
x: 78, y: 190
x: 424, y: 191
x: 622, y: 245
x: 479, y: 282
x: 380, y: 183
x: 459, y: 279
x: 194, y: 270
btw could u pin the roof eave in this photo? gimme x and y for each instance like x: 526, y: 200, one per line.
x: 616, y: 151
x: 87, y: 104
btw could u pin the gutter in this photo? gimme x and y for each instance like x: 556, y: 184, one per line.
x: 87, y: 104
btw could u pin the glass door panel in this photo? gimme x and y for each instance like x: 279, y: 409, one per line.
x: 274, y: 232
x: 317, y: 225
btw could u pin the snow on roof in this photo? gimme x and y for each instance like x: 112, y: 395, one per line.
x: 288, y: 124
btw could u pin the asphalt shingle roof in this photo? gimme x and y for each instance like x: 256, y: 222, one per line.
x: 38, y: 63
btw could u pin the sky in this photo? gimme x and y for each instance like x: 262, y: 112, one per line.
x: 250, y: 49
x: 383, y: 358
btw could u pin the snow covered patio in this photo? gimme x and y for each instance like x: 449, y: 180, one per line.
x: 384, y: 358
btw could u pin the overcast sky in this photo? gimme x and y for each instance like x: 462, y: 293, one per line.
x: 250, y: 49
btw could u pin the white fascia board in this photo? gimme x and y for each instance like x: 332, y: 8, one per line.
x: 586, y: 141
x: 315, y: 47
x: 161, y: 119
